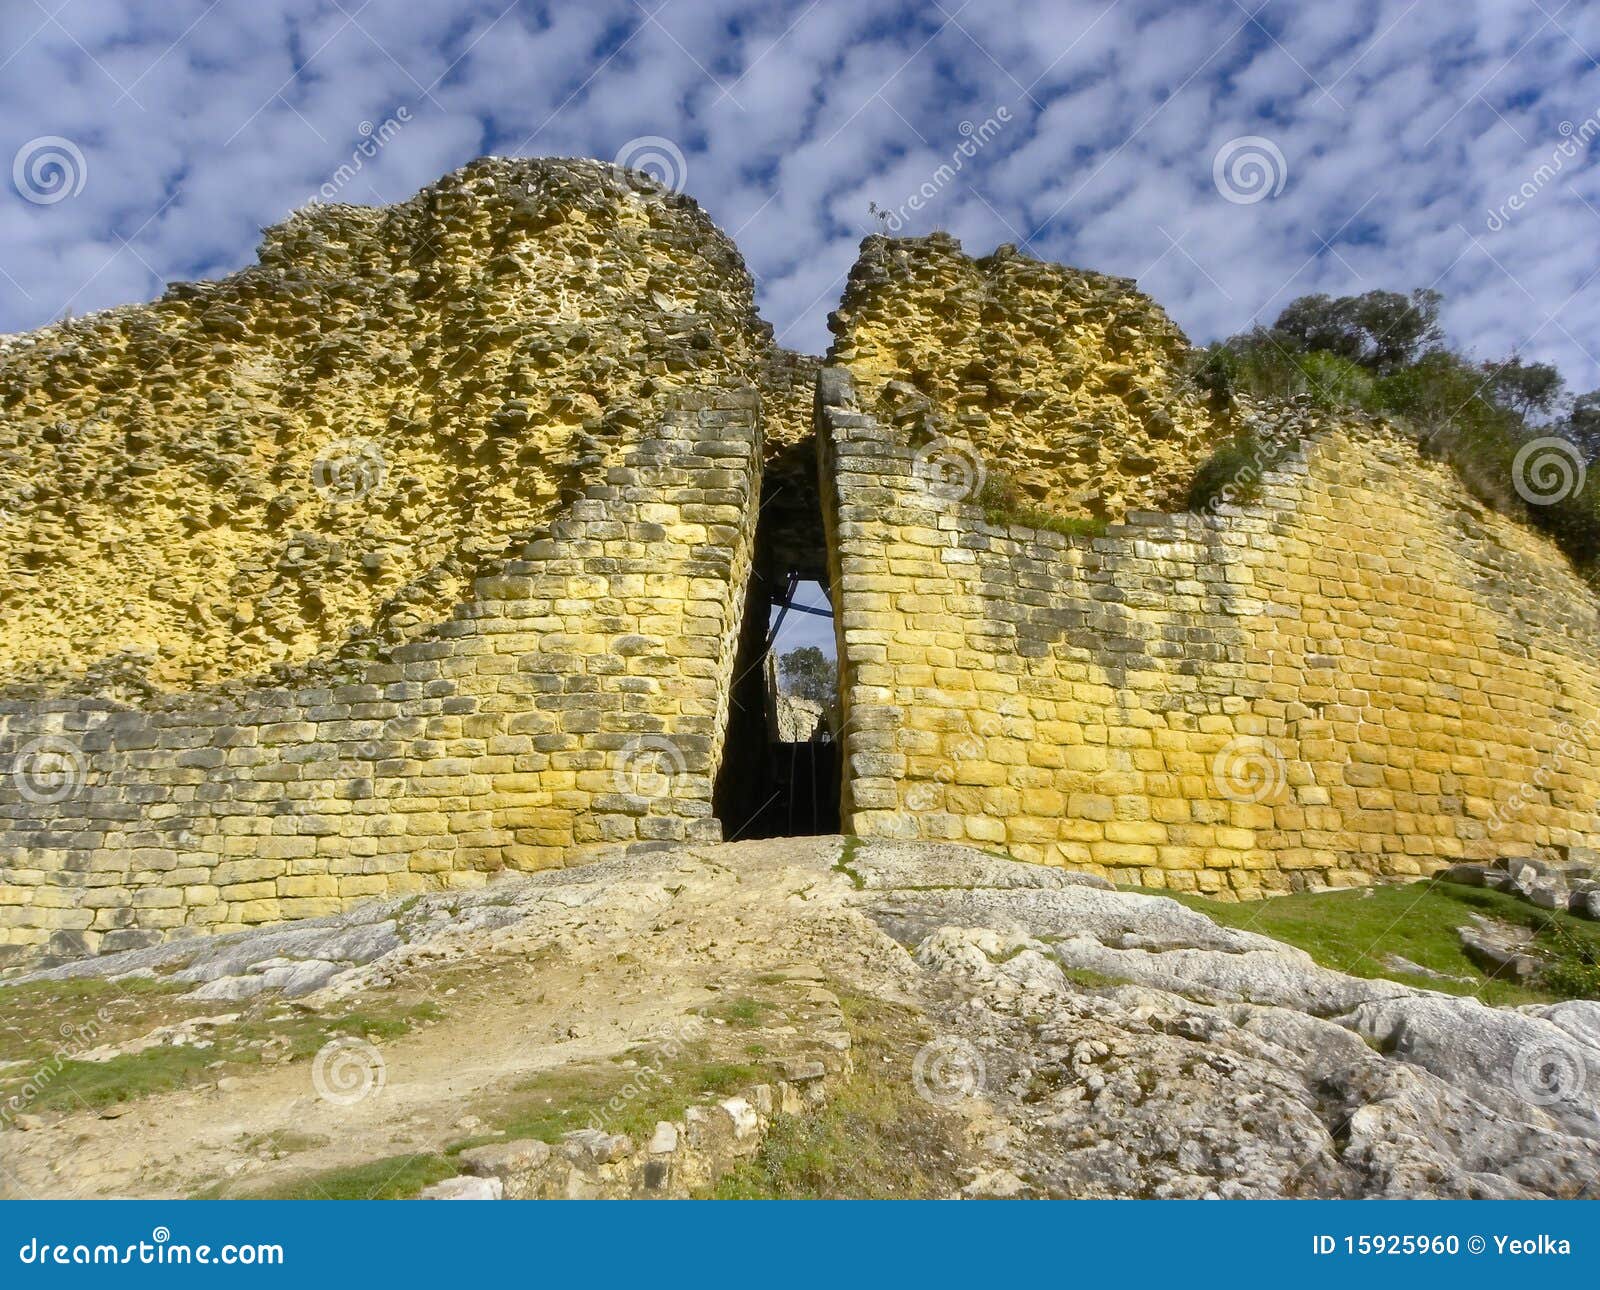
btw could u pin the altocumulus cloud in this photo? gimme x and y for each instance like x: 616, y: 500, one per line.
x: 1396, y: 135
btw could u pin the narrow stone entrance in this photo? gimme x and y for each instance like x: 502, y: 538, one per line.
x: 780, y: 766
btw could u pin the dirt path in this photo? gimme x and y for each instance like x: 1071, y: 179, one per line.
x: 587, y: 976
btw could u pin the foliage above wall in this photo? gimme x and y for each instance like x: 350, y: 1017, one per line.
x: 1517, y: 442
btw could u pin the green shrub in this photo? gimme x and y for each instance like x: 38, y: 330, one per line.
x: 1003, y: 502
x: 1457, y: 411
x: 1570, y: 978
x: 1232, y: 474
x: 1334, y: 382
x: 1574, y: 969
x: 1215, y: 370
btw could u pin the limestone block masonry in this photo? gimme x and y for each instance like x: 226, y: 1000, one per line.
x: 579, y: 698
x: 421, y: 551
x: 1364, y: 674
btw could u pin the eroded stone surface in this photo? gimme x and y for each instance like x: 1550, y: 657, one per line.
x: 248, y: 471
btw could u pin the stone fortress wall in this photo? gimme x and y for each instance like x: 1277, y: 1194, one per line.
x: 1363, y: 674
x: 578, y: 698
x: 520, y: 647
x: 249, y: 672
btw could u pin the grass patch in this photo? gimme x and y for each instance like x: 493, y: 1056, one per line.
x: 41, y: 1018
x: 875, y: 1138
x: 58, y: 1083
x: 305, y: 1035
x: 1352, y: 930
x: 545, y: 1107
x: 1003, y: 502
x: 847, y: 853
x: 71, y: 1085
x: 1092, y: 979
x: 283, y: 1141
x: 611, y: 1098
x: 392, y: 1178
x: 745, y: 1012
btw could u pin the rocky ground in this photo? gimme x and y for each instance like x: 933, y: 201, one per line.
x: 1029, y: 1031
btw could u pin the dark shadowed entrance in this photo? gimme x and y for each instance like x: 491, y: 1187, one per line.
x: 780, y: 767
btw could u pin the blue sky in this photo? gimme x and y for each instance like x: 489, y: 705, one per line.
x: 1383, y: 139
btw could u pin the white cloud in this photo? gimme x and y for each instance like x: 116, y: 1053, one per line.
x: 201, y: 123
